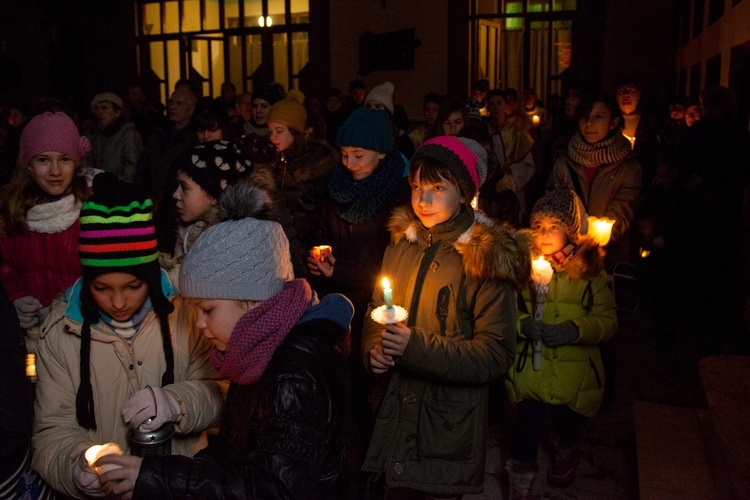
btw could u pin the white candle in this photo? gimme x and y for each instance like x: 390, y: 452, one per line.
x: 97, y: 451
x: 387, y: 293
x: 600, y: 229
x: 541, y: 271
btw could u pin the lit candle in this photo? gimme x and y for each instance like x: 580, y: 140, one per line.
x: 600, y: 229
x: 541, y: 271
x: 31, y: 366
x: 321, y: 252
x: 475, y: 202
x: 387, y: 293
x: 97, y: 451
x: 535, y: 119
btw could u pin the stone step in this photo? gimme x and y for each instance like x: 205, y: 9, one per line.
x: 726, y: 381
x: 672, y: 456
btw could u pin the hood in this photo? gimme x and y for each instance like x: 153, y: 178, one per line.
x: 73, y: 296
x: 490, y: 251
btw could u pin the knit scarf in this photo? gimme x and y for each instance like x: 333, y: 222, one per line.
x: 359, y: 201
x: 561, y: 257
x: 258, y: 333
x: 611, y: 149
x: 55, y: 216
x: 126, y: 329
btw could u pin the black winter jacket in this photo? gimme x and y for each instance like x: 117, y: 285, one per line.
x: 280, y: 437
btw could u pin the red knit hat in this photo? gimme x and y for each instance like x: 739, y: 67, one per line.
x: 52, y: 132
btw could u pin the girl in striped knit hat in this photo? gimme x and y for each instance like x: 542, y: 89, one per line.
x: 120, y: 351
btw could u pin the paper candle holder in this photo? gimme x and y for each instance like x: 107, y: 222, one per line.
x: 389, y: 316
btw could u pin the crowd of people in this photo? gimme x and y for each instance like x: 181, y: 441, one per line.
x: 211, y: 269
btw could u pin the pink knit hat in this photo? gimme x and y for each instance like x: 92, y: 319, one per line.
x: 52, y: 132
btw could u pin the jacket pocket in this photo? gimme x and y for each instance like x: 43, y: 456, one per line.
x: 447, y: 430
x: 599, y: 383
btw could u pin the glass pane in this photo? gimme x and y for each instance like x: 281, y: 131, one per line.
x: 173, y: 63
x: 539, y: 57
x: 236, y: 75
x: 512, y: 7
x: 564, y: 5
x: 562, y: 46
x: 171, y: 17
x: 277, y: 12
x: 280, y: 63
x: 191, y: 19
x: 231, y: 15
x: 217, y: 66
x: 151, y: 19
x: 486, y: 6
x: 158, y: 66
x: 253, y: 55
x: 300, y: 51
x: 211, y: 17
x: 538, y: 5
x: 511, y: 58
x: 300, y: 11
x: 254, y: 14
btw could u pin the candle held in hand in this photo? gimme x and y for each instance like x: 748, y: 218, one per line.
x: 387, y: 293
x: 97, y: 451
x: 600, y: 229
x: 541, y: 271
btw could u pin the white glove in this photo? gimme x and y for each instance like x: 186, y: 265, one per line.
x: 43, y: 313
x: 85, y: 479
x: 27, y: 308
x: 151, y: 403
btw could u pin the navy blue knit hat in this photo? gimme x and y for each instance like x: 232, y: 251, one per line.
x: 367, y: 129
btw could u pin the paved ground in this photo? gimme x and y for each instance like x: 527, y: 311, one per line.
x: 608, y: 468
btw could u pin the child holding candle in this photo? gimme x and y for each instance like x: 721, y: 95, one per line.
x: 283, y: 351
x: 368, y: 183
x: 119, y: 349
x: 579, y: 312
x: 301, y: 175
x: 456, y: 273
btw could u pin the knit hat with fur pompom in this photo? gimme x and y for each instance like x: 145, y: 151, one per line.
x: 290, y: 111
x: 242, y: 258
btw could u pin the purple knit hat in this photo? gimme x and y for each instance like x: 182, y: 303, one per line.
x: 52, y: 132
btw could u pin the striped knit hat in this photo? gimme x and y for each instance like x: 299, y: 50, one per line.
x: 117, y: 235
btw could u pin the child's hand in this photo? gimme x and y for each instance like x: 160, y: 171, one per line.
x: 317, y: 267
x: 395, y: 338
x: 379, y: 362
x: 120, y: 482
x: 531, y: 328
x: 561, y: 334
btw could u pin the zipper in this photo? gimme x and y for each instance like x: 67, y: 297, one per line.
x: 283, y: 164
x: 596, y: 373
x: 424, y: 266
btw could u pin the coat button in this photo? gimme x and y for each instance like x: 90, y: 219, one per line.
x: 131, y: 367
x: 398, y: 468
x: 140, y: 363
x: 66, y: 328
x: 410, y: 399
x: 434, y: 265
x: 443, y: 312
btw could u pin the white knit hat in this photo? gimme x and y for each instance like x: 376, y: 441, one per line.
x: 382, y: 93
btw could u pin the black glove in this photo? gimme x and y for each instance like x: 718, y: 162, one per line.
x: 557, y: 335
x: 532, y: 329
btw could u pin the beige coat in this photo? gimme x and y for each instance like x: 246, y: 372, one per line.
x: 118, y: 370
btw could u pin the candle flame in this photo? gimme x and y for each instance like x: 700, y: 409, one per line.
x: 386, y: 284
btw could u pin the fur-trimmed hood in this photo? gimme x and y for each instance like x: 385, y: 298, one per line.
x: 490, y: 251
x: 586, y: 262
